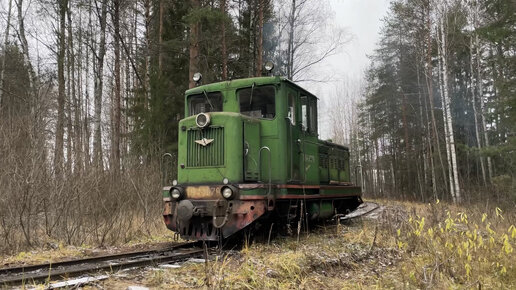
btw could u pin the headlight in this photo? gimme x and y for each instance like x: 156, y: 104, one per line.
x: 202, y: 120
x: 269, y: 66
x: 197, y: 77
x: 227, y: 193
x: 177, y: 193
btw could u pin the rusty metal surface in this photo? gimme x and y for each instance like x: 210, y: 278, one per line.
x: 211, y: 215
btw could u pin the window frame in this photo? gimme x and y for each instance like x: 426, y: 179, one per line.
x: 237, y: 94
x: 309, y: 120
x: 189, y: 102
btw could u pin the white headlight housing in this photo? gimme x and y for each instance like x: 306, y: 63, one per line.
x: 202, y: 120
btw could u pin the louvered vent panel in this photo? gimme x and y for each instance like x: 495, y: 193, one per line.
x: 209, y: 155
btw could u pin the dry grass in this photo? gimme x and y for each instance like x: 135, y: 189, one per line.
x: 54, y: 251
x: 407, y: 245
x: 416, y: 246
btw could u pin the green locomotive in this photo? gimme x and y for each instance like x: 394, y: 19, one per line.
x: 249, y: 151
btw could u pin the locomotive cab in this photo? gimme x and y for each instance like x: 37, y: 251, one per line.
x: 248, y: 149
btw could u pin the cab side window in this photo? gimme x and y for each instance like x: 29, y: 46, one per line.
x: 258, y: 102
x: 309, y: 114
x: 312, y: 115
x: 291, y: 113
x: 304, y: 113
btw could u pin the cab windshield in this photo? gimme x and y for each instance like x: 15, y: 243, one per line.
x: 204, y: 103
x: 258, y: 102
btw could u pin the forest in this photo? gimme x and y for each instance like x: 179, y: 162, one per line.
x: 438, y: 117
x: 91, y: 92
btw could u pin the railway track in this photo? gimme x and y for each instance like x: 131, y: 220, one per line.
x: 32, y: 274
x: 362, y: 210
x: 108, y: 263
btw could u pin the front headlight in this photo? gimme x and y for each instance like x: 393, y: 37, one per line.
x: 202, y: 120
x: 227, y: 192
x: 177, y: 193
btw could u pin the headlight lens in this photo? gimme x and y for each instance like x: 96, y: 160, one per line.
x: 227, y: 193
x: 176, y: 194
x: 197, y: 77
x: 202, y: 120
x: 269, y: 66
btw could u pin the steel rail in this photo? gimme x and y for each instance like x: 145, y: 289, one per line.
x: 354, y: 214
x: 17, y: 275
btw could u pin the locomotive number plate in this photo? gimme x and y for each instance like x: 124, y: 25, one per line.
x: 201, y: 192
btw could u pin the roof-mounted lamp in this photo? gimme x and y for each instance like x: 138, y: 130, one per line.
x: 197, y: 77
x: 269, y: 66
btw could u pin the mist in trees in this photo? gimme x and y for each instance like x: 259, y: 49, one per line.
x: 436, y: 120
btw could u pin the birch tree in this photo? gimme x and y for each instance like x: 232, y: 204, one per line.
x: 448, y: 122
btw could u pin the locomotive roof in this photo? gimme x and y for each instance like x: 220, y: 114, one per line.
x: 247, y: 82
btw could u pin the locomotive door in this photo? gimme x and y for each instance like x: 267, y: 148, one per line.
x: 309, y: 157
x: 294, y: 141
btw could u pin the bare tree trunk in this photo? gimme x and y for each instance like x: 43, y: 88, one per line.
x: 435, y: 135
x: 160, y: 52
x: 259, y: 62
x: 70, y: 94
x: 86, y: 119
x: 148, y: 21
x: 6, y: 41
x: 475, y: 113
x: 446, y: 132
x: 115, y: 145
x: 449, y: 123
x: 99, y: 82
x: 224, y: 52
x: 290, y: 47
x: 194, y: 46
x: 77, y: 93
x: 482, y: 107
x: 58, y: 152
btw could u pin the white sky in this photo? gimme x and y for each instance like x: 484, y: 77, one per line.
x: 361, y: 18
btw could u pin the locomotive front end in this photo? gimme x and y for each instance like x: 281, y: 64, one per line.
x: 205, y: 203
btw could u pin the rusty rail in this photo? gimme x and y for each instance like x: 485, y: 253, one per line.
x: 109, y: 263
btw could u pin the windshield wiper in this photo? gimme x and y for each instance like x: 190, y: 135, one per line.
x: 251, y: 97
x: 208, y: 99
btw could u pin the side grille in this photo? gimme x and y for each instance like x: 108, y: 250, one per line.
x: 209, y: 155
